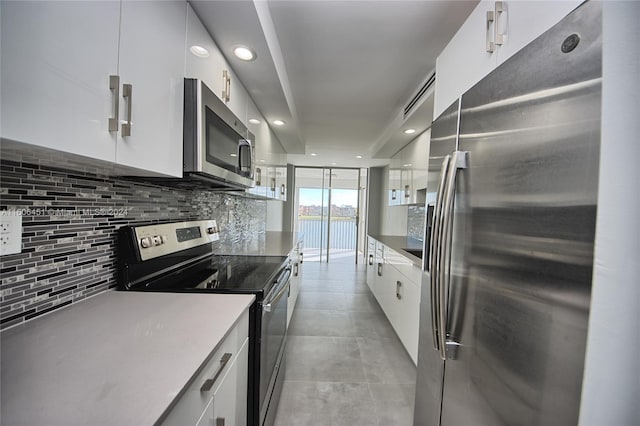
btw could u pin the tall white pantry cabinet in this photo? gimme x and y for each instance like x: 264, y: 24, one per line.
x: 70, y: 67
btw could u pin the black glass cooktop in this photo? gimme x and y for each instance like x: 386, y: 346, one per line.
x: 222, y: 274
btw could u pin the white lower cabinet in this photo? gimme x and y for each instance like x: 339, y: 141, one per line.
x: 218, y: 393
x: 296, y: 279
x: 395, y: 282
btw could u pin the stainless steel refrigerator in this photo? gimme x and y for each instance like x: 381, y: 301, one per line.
x: 512, y: 200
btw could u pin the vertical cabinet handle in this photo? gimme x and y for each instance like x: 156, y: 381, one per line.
x: 393, y: 194
x: 370, y: 260
x: 283, y: 189
x: 220, y: 421
x: 295, y: 269
x: 379, y: 269
x: 273, y: 184
x: 499, y: 37
x: 114, y: 86
x: 127, y: 93
x: 226, y: 83
x: 258, y: 176
x: 208, y: 384
x: 407, y: 191
x: 301, y: 257
x: 398, y: 286
x: 490, y: 44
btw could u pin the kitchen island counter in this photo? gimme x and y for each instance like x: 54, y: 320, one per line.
x: 119, y: 358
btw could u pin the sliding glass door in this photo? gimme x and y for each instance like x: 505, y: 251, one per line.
x: 328, y: 201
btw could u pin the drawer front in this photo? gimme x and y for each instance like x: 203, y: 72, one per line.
x: 192, y: 404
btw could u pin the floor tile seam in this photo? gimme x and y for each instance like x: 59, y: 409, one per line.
x: 355, y: 382
x: 375, y: 405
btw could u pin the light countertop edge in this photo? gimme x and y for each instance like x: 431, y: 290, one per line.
x: 116, y: 358
x: 399, y: 243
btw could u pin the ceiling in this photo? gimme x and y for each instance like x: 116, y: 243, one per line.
x: 339, y: 73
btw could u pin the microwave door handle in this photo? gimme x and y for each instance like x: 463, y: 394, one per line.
x: 244, y: 144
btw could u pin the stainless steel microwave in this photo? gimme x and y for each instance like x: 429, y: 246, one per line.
x: 218, y: 147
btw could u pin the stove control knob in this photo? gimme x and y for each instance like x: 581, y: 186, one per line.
x: 157, y: 240
x: 146, y: 242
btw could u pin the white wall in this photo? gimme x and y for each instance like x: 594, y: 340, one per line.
x: 611, y: 384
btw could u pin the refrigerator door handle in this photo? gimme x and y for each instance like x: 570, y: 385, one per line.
x: 458, y: 161
x: 433, y: 253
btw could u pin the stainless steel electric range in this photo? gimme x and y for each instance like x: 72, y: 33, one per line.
x: 179, y: 257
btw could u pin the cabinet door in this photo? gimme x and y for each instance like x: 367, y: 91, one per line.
x: 281, y: 183
x: 152, y: 39
x: 207, y: 66
x: 420, y: 161
x: 371, y: 262
x: 523, y: 21
x: 406, y: 313
x: 230, y: 398
x: 395, y: 179
x: 56, y: 61
x: 465, y: 60
x: 238, y: 97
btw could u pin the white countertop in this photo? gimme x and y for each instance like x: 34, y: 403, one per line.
x: 399, y: 244
x: 119, y: 358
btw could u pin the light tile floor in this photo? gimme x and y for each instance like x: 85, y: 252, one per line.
x: 345, y: 364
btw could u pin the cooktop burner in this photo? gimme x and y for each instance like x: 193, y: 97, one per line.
x: 222, y: 274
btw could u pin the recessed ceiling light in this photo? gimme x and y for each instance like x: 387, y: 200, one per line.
x: 358, y: 156
x: 199, y: 51
x: 407, y: 165
x: 254, y: 121
x: 262, y: 161
x: 233, y: 155
x: 244, y: 53
x: 410, y: 131
x: 333, y: 164
x: 278, y: 122
x: 313, y: 154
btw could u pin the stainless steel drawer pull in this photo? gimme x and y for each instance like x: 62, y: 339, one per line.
x: 370, y: 260
x: 114, y: 85
x: 127, y: 93
x: 490, y: 44
x: 379, y: 269
x: 398, y: 286
x: 499, y: 37
x: 208, y: 384
x: 393, y: 194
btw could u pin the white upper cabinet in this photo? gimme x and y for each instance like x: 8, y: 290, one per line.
x: 524, y: 21
x: 207, y: 66
x: 477, y: 48
x: 76, y: 74
x: 211, y: 67
x: 465, y: 60
x: 56, y: 61
x: 152, y: 38
x: 408, y: 172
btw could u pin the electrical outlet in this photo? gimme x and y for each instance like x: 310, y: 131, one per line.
x: 10, y: 234
x: 215, y: 236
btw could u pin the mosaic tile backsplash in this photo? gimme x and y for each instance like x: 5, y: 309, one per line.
x: 416, y: 222
x: 70, y: 221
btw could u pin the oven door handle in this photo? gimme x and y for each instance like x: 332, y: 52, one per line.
x: 266, y: 306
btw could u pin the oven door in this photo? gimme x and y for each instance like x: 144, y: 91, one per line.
x: 273, y: 338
